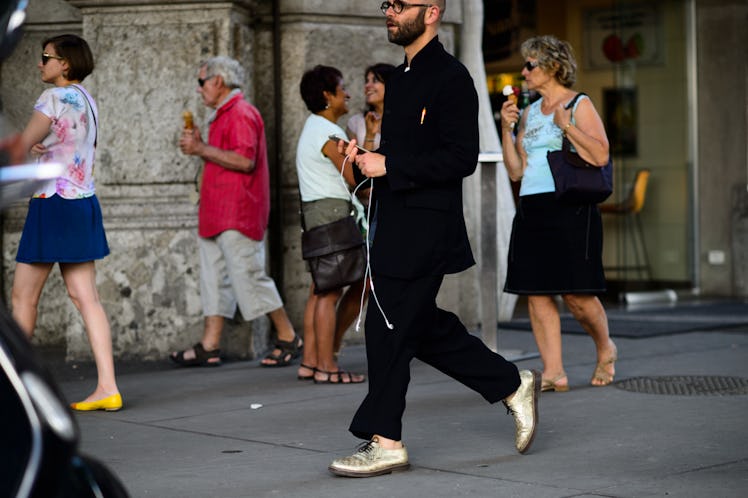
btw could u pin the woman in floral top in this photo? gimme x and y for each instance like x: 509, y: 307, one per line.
x: 64, y: 224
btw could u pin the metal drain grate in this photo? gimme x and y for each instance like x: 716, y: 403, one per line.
x: 686, y: 385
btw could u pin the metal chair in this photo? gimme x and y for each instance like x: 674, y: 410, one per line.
x: 629, y: 208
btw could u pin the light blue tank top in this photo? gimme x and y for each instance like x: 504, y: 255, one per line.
x: 541, y: 136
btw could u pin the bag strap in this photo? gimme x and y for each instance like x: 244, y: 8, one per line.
x: 566, y: 144
x: 573, y: 101
x: 573, y: 157
x: 93, y: 113
x: 301, y: 210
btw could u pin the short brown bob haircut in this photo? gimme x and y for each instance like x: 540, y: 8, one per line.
x: 76, y: 52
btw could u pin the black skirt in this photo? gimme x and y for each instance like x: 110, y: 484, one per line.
x: 555, y: 248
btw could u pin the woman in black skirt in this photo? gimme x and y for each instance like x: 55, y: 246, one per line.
x: 556, y: 248
x: 64, y: 224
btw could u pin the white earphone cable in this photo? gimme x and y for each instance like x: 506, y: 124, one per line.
x: 367, y: 274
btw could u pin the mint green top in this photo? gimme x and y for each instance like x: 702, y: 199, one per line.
x: 541, y: 136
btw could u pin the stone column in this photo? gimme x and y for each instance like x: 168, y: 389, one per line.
x: 350, y: 36
x: 472, y: 55
x: 146, y: 55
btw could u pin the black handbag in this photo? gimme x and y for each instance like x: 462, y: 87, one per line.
x: 577, y: 181
x: 335, y: 253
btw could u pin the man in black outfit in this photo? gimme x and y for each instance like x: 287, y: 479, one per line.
x: 429, y: 144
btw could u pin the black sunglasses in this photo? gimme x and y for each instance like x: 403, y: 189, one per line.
x: 530, y: 65
x: 201, y: 81
x: 46, y: 57
x: 398, y: 6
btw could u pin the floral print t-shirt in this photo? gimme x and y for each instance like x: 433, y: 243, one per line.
x: 71, y: 140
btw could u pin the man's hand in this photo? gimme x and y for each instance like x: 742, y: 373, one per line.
x: 191, y: 142
x: 370, y: 164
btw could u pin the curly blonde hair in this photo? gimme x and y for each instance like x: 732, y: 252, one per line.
x: 553, y: 55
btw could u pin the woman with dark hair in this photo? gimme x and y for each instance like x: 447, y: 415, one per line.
x: 64, y: 223
x: 325, y: 198
x: 556, y: 248
x: 365, y: 127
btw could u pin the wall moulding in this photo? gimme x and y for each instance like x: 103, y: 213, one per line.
x: 167, y: 4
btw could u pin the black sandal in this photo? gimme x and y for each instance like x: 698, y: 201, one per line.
x: 289, y: 351
x: 306, y: 377
x: 201, y: 358
x: 341, y: 375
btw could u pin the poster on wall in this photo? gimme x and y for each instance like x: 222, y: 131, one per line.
x: 506, y: 23
x: 628, y: 34
x: 619, y: 111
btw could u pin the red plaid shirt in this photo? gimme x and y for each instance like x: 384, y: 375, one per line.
x: 232, y: 200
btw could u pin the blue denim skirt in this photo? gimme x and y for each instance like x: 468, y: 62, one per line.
x: 59, y: 230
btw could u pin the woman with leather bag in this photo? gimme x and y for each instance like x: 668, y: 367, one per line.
x: 332, y: 243
x: 556, y: 246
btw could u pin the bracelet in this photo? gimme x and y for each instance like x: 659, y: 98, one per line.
x: 563, y: 132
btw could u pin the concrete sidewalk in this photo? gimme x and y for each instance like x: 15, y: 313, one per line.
x: 245, y: 431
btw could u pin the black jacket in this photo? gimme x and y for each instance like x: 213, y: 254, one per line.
x: 430, y: 140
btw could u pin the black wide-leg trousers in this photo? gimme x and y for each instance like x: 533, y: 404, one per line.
x: 434, y: 336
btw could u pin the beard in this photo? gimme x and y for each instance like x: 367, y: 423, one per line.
x: 407, y: 33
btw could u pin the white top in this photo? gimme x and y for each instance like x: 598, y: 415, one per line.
x: 318, y: 176
x: 357, y: 126
x: 541, y: 135
x: 70, y: 141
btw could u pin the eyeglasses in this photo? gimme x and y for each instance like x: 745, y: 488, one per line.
x: 530, y: 65
x: 398, y: 6
x: 46, y: 57
x: 201, y: 81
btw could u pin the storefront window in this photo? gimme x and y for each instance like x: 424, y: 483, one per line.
x: 632, y: 62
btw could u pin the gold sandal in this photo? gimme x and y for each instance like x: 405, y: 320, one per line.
x: 601, y: 375
x: 552, y: 384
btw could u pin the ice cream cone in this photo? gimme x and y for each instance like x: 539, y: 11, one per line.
x: 508, y: 92
x: 188, y: 123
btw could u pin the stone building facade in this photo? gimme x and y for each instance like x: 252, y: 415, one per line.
x: 147, y: 52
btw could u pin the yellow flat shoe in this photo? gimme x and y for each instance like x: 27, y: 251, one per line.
x: 553, y: 385
x: 110, y: 403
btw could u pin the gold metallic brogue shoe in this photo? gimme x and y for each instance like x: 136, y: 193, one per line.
x: 371, y: 460
x: 524, y: 408
x: 110, y: 403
